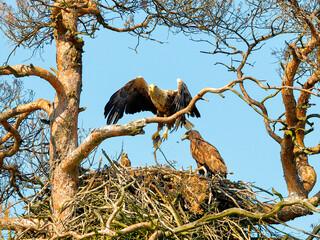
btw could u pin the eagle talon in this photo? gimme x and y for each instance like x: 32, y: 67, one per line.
x: 165, y: 135
x: 156, y: 135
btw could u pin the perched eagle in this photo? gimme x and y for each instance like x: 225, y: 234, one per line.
x: 125, y: 162
x: 205, y: 154
x: 137, y: 96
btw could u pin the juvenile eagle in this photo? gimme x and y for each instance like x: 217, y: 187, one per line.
x: 205, y: 154
x: 137, y: 96
x: 124, y: 161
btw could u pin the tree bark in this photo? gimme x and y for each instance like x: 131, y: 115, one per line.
x: 64, y: 118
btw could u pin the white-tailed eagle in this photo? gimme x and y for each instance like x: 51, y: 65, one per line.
x: 137, y: 96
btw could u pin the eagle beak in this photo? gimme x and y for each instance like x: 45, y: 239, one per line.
x: 184, y: 137
x: 151, y: 88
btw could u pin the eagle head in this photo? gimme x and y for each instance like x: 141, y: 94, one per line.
x: 157, y: 95
x: 185, y: 136
x: 191, y: 134
x: 152, y: 88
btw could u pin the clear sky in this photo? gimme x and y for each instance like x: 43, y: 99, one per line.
x: 228, y: 123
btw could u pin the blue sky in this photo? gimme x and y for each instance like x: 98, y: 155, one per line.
x: 228, y: 123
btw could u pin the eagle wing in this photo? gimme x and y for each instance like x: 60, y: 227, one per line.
x: 182, y: 100
x: 207, y: 155
x: 131, y: 98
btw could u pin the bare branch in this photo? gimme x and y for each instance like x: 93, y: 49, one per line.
x: 39, y: 104
x: 17, y: 142
x: 228, y: 87
x: 100, y: 134
x: 23, y: 71
x: 16, y: 125
x: 156, y: 235
x: 21, y: 224
x: 117, y: 206
x: 257, y: 215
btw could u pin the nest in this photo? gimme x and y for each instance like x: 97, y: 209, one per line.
x: 169, y: 199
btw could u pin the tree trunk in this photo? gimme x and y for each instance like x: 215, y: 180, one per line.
x: 64, y: 118
x: 290, y: 172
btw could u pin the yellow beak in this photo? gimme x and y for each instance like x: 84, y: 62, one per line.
x: 184, y: 137
x: 151, y: 88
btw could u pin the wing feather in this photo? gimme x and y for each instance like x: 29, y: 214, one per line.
x: 181, y: 100
x: 131, y: 98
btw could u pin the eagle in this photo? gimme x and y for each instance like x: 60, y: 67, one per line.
x: 136, y: 96
x: 205, y: 154
x: 125, y: 162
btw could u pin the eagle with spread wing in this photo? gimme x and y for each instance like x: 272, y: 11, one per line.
x: 205, y: 154
x: 137, y: 96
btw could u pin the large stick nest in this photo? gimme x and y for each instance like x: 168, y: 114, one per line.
x: 116, y: 198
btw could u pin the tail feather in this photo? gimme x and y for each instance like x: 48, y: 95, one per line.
x: 188, y: 125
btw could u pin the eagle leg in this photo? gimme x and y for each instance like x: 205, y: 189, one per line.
x: 165, y: 134
x: 156, y: 135
x: 203, y: 169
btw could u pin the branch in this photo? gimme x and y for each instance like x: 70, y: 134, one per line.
x: 100, y: 134
x: 303, y: 102
x: 21, y: 224
x: 107, y: 231
x: 136, y: 226
x: 39, y: 104
x: 17, y: 141
x: 24, y: 71
x: 229, y: 87
x: 241, y: 212
x: 117, y: 206
x: 156, y: 235
x: 144, y: 24
x: 12, y: 150
x: 15, y: 126
x: 88, y: 8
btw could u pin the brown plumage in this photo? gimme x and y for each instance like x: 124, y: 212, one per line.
x: 137, y: 96
x: 205, y: 154
x: 124, y: 161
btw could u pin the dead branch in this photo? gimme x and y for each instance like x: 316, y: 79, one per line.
x: 21, y: 224
x: 16, y: 125
x: 23, y: 71
x: 117, y: 205
x: 17, y: 143
x: 39, y: 104
x: 228, y: 87
x: 96, y: 137
x: 241, y: 212
x: 156, y: 235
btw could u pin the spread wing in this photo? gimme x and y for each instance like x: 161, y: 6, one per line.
x: 207, y: 155
x: 131, y: 98
x: 181, y: 100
